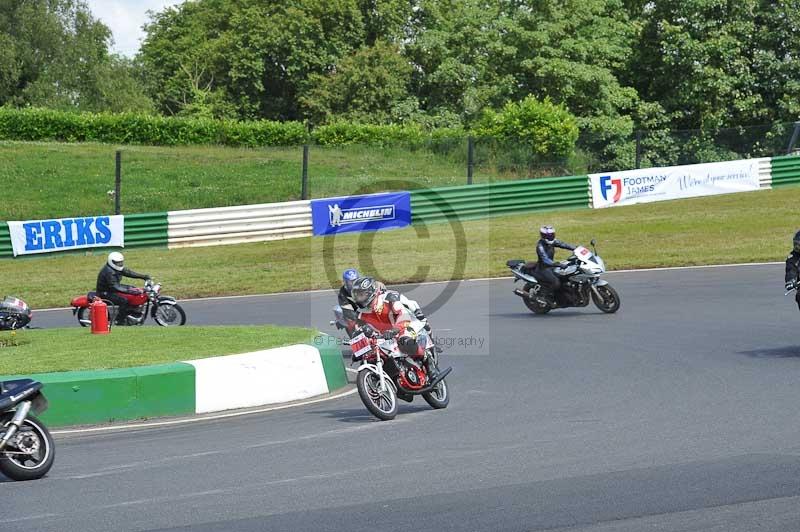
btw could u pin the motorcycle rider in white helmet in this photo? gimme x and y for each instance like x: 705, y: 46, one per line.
x: 109, y: 286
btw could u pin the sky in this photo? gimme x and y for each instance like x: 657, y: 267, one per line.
x: 125, y: 18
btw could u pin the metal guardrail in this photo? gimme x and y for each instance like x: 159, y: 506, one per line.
x: 6, y: 252
x: 145, y: 230
x: 493, y: 199
x: 239, y: 224
x: 785, y: 170
x: 765, y: 172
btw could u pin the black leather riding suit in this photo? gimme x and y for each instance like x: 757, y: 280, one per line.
x: 109, y: 287
x: 793, y: 272
x: 544, y: 268
x: 348, y: 305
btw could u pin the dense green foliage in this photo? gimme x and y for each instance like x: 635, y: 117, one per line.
x: 46, y: 124
x: 53, y: 53
x: 616, y: 66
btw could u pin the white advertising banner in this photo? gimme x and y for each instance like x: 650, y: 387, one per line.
x: 47, y: 236
x: 673, y: 182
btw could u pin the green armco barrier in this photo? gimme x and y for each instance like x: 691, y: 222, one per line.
x: 785, y: 170
x: 89, y: 397
x: 493, y: 199
x: 332, y: 363
x: 5, y: 242
x: 146, y: 230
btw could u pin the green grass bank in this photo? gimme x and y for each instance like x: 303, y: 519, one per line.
x: 55, y: 350
x: 49, y: 180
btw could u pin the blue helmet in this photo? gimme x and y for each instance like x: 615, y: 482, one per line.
x: 348, y: 277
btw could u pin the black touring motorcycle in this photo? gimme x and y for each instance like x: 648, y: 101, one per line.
x: 26, y: 446
x: 580, y: 283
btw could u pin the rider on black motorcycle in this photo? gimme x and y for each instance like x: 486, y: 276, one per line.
x: 545, y: 251
x: 109, y: 286
x: 793, y: 267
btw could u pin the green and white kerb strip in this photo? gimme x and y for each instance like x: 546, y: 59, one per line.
x: 271, y: 376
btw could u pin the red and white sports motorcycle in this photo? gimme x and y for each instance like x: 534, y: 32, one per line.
x: 386, y: 374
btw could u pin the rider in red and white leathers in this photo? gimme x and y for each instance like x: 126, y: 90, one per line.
x: 391, y: 314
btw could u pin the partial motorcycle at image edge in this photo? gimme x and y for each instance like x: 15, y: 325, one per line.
x: 580, y: 284
x: 26, y: 446
x: 165, y: 310
x: 14, y: 314
x: 386, y: 374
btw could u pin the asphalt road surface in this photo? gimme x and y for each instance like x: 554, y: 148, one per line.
x: 679, y: 413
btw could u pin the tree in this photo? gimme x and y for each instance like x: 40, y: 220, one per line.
x: 366, y: 86
x: 54, y: 53
x: 258, y: 54
x: 549, y: 131
x: 696, y: 58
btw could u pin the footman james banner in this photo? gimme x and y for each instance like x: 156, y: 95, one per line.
x: 361, y: 213
x: 673, y: 182
x: 47, y: 236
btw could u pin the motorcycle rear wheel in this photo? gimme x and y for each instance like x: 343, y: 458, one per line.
x: 28, y: 466
x: 382, y: 405
x: 169, y: 314
x: 610, y: 299
x: 533, y: 305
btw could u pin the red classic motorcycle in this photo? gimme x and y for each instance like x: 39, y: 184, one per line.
x: 148, y: 301
x: 386, y: 373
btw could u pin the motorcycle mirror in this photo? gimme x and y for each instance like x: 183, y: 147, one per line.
x: 594, y: 245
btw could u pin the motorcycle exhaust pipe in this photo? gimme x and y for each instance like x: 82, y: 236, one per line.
x: 521, y: 293
x: 439, y: 377
x: 19, y: 418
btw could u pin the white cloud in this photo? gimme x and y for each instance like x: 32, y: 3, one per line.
x: 125, y: 18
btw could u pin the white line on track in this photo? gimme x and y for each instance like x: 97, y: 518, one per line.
x: 479, y: 279
x: 185, y: 421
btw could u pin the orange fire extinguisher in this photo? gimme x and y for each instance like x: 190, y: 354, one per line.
x: 98, y: 314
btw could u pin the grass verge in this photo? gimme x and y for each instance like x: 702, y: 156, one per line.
x: 51, y: 180
x: 734, y: 228
x: 53, y: 350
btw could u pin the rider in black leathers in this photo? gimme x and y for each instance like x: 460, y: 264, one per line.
x: 545, y: 251
x: 109, y: 286
x: 793, y: 267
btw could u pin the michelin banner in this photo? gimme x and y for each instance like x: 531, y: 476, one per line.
x: 361, y: 213
x: 673, y: 182
x: 47, y: 236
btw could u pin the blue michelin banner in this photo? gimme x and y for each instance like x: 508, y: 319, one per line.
x: 361, y: 213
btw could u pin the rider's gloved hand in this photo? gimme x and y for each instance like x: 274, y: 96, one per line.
x: 391, y: 333
x: 789, y: 285
x: 419, y: 314
x: 563, y: 264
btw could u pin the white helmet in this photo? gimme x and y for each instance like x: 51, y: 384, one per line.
x: 116, y: 260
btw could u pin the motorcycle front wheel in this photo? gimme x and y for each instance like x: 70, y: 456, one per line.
x: 381, y: 403
x: 610, y: 299
x: 169, y: 314
x: 30, y: 452
x: 439, y: 397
